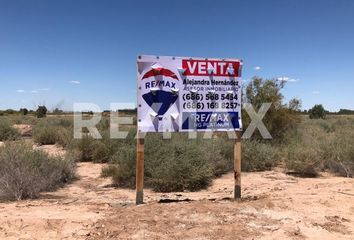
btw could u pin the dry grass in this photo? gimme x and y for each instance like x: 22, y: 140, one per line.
x: 25, y: 172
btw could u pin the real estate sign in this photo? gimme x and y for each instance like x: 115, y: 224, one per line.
x: 188, y: 94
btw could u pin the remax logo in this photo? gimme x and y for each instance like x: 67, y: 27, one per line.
x: 160, y: 71
x: 160, y: 90
x: 211, y: 67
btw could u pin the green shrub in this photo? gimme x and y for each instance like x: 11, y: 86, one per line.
x: 338, y: 154
x: 41, y: 111
x: 170, y: 165
x: 323, y: 146
x: 304, y: 160
x: 59, y: 121
x: 7, y: 132
x: 280, y: 117
x: 92, y: 150
x: 49, y: 133
x: 109, y: 171
x: 258, y: 156
x: 24, y: 111
x: 64, y: 136
x: 101, y: 152
x: 45, y: 134
x: 122, y: 167
x: 327, y: 127
x: 177, y: 164
x: 219, y: 153
x: 317, y: 112
x: 85, y: 147
x: 25, y: 172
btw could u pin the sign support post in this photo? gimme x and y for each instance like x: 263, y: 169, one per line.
x: 237, y: 166
x: 140, y: 169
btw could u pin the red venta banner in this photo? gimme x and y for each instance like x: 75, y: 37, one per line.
x: 204, y: 67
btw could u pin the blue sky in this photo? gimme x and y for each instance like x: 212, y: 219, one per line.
x: 60, y: 52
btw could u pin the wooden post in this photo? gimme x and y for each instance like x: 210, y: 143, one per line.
x: 237, y: 166
x: 140, y: 169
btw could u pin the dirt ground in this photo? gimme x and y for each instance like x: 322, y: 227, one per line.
x: 274, y: 206
x: 25, y: 130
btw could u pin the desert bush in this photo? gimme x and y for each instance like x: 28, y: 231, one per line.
x: 175, y: 164
x: 323, y: 146
x: 104, y: 124
x: 45, y: 134
x: 109, y: 171
x: 219, y: 154
x: 21, y: 119
x: 24, y: 111
x: 258, y: 156
x: 304, y: 160
x: 59, y: 121
x: 7, y: 132
x: 41, y: 111
x: 85, y: 147
x: 51, y: 132
x: 91, y: 150
x: 101, y: 150
x: 64, y: 136
x: 180, y: 163
x: 338, y: 154
x: 122, y: 167
x: 328, y: 127
x: 281, y: 117
x: 303, y: 153
x: 317, y: 112
x: 25, y: 172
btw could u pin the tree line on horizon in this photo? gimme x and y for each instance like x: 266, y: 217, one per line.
x: 57, y: 111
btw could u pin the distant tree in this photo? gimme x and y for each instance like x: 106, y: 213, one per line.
x: 317, y: 112
x: 280, y: 118
x: 86, y: 112
x: 345, y: 112
x: 41, y: 112
x: 10, y: 111
x: 24, y: 111
x: 127, y: 111
x: 57, y: 111
x: 295, y: 105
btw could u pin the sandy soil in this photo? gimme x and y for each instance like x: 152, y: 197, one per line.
x: 24, y: 129
x: 274, y: 206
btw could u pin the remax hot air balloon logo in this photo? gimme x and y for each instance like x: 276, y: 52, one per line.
x: 160, y: 90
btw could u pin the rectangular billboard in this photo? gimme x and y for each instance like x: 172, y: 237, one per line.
x: 177, y: 94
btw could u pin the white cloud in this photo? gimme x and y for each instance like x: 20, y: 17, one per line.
x: 43, y: 89
x: 40, y: 90
x: 75, y: 82
x: 287, y: 79
x: 283, y: 78
x: 315, y: 92
x: 20, y: 91
x: 257, y: 68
